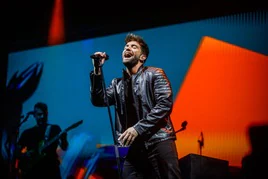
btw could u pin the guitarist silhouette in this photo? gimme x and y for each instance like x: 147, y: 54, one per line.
x: 36, y: 159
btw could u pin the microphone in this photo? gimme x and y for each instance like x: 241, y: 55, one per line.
x: 183, y: 126
x: 201, y: 140
x: 30, y: 113
x: 97, y: 57
x: 26, y: 117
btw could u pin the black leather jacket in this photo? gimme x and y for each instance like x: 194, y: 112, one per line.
x: 153, y: 100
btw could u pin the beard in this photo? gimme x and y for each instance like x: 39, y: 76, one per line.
x: 130, y: 63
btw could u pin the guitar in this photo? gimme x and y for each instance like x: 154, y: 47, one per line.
x: 34, y: 156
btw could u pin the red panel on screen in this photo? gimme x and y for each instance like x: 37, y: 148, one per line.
x: 56, y: 30
x: 224, y: 92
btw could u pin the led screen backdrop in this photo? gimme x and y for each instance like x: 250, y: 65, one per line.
x: 218, y: 69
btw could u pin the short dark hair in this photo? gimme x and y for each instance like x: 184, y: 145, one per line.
x: 140, y: 40
x: 42, y: 106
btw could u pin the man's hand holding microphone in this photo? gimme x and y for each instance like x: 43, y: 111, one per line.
x: 98, y: 59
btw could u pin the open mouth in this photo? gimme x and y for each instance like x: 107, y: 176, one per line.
x: 128, y: 54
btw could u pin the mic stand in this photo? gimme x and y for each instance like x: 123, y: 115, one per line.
x: 201, y: 143
x: 111, y: 123
x: 181, y: 129
x: 200, y: 147
x: 12, y: 166
x: 23, y: 121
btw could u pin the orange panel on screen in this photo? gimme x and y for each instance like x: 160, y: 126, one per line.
x: 223, y: 93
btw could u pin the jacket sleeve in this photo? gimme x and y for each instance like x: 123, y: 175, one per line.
x: 97, y: 94
x: 159, y: 114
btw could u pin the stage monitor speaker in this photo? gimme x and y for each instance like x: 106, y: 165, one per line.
x: 195, y: 166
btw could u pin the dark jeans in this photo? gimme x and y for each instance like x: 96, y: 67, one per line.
x: 159, y: 161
